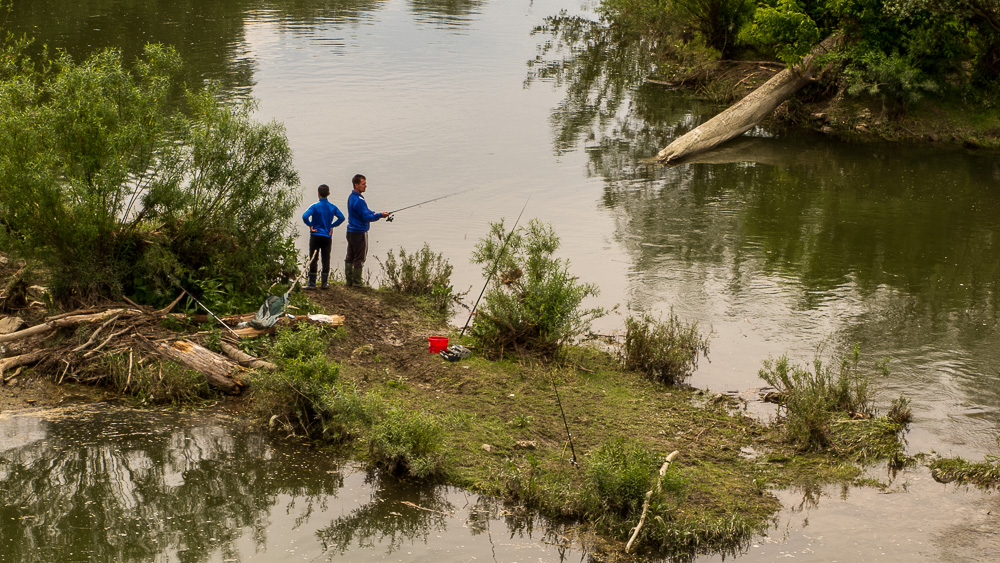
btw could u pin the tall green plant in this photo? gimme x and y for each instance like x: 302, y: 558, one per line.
x: 423, y: 273
x: 533, y: 304
x: 121, y: 182
x: 814, y: 398
x: 666, y: 351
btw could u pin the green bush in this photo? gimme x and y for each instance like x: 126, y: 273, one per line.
x: 301, y: 342
x: 533, y: 303
x: 666, y: 351
x: 619, y: 473
x: 423, y: 274
x: 406, y: 442
x: 811, y: 399
x: 118, y: 181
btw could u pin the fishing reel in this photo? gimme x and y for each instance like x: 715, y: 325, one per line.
x: 390, y: 218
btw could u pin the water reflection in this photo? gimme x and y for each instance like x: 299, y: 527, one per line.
x: 100, y: 483
x: 112, y: 486
x: 210, y: 36
x: 794, y: 242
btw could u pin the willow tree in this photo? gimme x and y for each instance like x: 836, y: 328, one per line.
x: 118, y: 179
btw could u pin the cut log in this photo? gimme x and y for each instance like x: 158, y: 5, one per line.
x: 217, y: 369
x: 22, y: 360
x: 748, y: 112
x: 244, y: 359
x: 66, y: 321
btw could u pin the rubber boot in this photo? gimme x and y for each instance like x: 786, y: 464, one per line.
x: 324, y: 284
x: 359, y: 280
x: 312, y: 282
x: 349, y: 274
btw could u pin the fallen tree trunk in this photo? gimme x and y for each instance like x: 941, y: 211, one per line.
x: 64, y: 322
x: 217, y: 369
x: 22, y: 360
x: 748, y: 112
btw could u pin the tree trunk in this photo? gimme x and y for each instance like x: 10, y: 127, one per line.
x: 217, y: 369
x: 746, y: 113
x: 22, y: 360
x: 244, y: 359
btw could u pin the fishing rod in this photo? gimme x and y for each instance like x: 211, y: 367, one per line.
x: 496, y: 264
x: 211, y: 313
x: 565, y: 424
x: 389, y: 218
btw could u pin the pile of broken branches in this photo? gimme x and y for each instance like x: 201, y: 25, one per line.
x: 127, y: 330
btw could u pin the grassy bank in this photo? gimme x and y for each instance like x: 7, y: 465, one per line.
x: 579, y: 438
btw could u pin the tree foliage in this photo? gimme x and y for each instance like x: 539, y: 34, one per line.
x: 119, y: 180
x: 533, y: 304
x: 895, y: 50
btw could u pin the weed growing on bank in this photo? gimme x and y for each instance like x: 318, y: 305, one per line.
x: 306, y: 396
x: 834, y: 407
x: 424, y: 274
x: 665, y: 351
x: 155, y: 383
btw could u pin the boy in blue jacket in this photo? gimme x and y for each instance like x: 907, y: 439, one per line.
x: 320, y: 220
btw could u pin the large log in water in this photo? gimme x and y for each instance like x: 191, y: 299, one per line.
x: 746, y: 113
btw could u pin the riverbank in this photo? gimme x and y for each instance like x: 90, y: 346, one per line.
x: 819, y: 107
x: 539, y: 435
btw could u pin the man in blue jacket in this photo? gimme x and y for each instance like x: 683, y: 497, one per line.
x: 320, y: 220
x: 358, y: 219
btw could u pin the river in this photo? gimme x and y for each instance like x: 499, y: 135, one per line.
x: 783, y: 243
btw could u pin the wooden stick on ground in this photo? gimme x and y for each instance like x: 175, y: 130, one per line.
x: 64, y: 322
x: 649, y: 494
x: 244, y: 359
x: 93, y: 337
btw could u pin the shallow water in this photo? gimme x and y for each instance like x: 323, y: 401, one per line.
x: 780, y: 243
x: 98, y: 483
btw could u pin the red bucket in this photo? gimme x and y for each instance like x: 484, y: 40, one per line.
x: 437, y: 344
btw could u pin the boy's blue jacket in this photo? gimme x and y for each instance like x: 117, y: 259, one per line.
x: 358, y: 214
x: 320, y: 216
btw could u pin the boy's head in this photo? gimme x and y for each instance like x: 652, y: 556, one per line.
x: 324, y: 190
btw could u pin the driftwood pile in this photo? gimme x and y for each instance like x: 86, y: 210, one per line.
x: 130, y: 330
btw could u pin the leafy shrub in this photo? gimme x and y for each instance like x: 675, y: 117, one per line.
x: 405, y: 442
x: 620, y: 472
x: 303, y: 341
x: 812, y: 398
x: 665, y: 351
x: 120, y: 182
x: 784, y: 29
x: 423, y: 273
x: 533, y: 303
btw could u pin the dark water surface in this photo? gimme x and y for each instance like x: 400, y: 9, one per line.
x: 96, y: 483
x: 780, y: 243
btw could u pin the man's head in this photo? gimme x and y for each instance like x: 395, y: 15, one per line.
x: 324, y: 190
x: 360, y: 183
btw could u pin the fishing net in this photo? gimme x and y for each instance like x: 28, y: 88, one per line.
x: 269, y: 313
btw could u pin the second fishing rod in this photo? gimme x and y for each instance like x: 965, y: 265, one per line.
x: 432, y: 200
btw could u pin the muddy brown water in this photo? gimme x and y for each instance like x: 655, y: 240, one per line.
x: 781, y: 243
